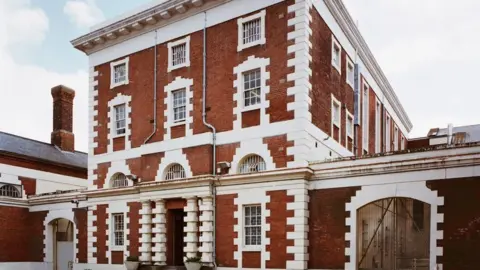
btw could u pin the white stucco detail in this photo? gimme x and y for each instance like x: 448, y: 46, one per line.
x: 414, y: 190
x: 159, y: 242
x: 91, y: 219
x: 256, y: 147
x: 119, y: 166
x: 206, y: 229
x: 145, y: 232
x: 177, y: 84
x: 118, y: 100
x: 251, y: 197
x: 190, y: 220
x: 171, y: 157
x: 48, y: 250
x: 251, y: 63
x: 92, y: 112
x: 300, y: 223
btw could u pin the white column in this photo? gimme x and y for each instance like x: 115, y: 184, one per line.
x: 206, y: 230
x: 191, y: 228
x: 159, y: 229
x: 146, y: 232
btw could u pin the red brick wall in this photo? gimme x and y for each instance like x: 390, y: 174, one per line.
x: 327, y: 227
x: 119, y: 144
x: 251, y: 259
x: 371, y: 127
x: 21, y: 235
x: 251, y: 118
x: 117, y: 257
x: 29, y: 185
x: 82, y: 236
x: 146, y: 166
x: 278, y: 229
x: 326, y: 80
x: 101, y: 172
x: 134, y: 226
x: 461, y: 227
x: 222, y: 57
x: 277, y: 146
x: 224, y: 233
x: 101, y: 234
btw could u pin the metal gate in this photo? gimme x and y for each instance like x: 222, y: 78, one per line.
x: 393, y: 234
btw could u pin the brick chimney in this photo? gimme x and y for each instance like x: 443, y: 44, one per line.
x: 62, y: 134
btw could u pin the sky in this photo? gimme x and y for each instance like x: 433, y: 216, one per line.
x: 428, y: 50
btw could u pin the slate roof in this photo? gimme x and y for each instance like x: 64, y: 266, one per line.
x: 40, y: 150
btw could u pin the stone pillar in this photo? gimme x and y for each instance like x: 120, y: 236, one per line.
x: 191, y: 228
x: 146, y: 232
x: 206, y: 230
x: 159, y: 229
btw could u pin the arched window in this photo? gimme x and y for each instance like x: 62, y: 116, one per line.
x: 9, y: 191
x: 175, y: 171
x: 119, y: 180
x: 252, y: 163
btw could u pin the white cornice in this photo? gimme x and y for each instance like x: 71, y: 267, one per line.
x: 341, y: 15
x: 142, y: 22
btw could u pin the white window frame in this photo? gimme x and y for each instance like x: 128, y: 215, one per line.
x: 338, y: 64
x: 113, y: 245
x: 352, y: 72
x: 125, y: 62
x: 395, y: 138
x: 256, y: 247
x: 180, y: 121
x: 378, y: 126
x: 260, y: 161
x: 112, y: 134
x: 365, y: 120
x: 263, y: 40
x: 169, y: 172
x: 116, y: 119
x: 336, y: 103
x: 173, y: 44
x: 402, y: 143
x: 257, y: 105
x: 352, y: 127
x: 388, y: 131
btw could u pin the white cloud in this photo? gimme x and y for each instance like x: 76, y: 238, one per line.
x: 429, y: 51
x: 83, y: 13
x: 26, y: 102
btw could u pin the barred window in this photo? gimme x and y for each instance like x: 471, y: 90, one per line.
x: 179, y: 54
x: 251, y: 164
x: 252, y: 31
x: 179, y: 105
x: 251, y: 87
x: 120, y: 73
x: 120, y: 119
x: 118, y: 229
x: 253, y: 225
x: 119, y: 180
x: 9, y: 191
x: 175, y: 171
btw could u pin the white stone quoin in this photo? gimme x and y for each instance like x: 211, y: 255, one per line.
x: 206, y: 230
x: 191, y: 228
x: 146, y: 232
x: 159, y: 229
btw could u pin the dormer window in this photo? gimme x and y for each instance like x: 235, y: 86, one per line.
x: 119, y: 73
x: 251, y: 31
x: 179, y: 54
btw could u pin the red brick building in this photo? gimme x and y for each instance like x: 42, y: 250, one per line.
x: 259, y: 135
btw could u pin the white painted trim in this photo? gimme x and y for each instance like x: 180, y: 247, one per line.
x: 119, y: 100
x: 337, y: 123
x: 414, y: 190
x: 185, y: 41
x: 365, y: 115
x: 395, y: 137
x: 252, y: 147
x: 251, y: 63
x: 263, y: 40
x: 116, y: 207
x: 336, y: 45
x: 112, y: 72
x: 119, y: 166
x: 178, y: 84
x: 378, y: 125
x: 388, y: 133
x: 67, y: 214
x: 350, y: 63
x: 92, y: 112
x: 172, y: 157
x: 352, y: 126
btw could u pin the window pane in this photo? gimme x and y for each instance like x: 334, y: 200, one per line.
x: 251, y: 31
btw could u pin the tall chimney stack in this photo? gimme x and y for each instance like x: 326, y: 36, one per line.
x: 62, y: 134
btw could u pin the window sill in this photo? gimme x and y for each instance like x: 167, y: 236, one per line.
x: 171, y: 68
x: 261, y: 41
x: 180, y: 123
x: 117, y: 248
x: 351, y: 85
x: 252, y: 107
x: 336, y: 125
x: 252, y: 248
x: 114, y: 135
x: 337, y: 67
x: 113, y: 85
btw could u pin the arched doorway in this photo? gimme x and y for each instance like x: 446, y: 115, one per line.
x: 393, y: 234
x: 62, y: 233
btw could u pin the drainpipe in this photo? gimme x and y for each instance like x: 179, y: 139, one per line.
x: 154, y: 90
x: 214, y: 134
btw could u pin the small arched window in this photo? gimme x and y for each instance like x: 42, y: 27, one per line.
x: 9, y: 191
x: 252, y: 163
x: 175, y: 171
x: 119, y: 180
